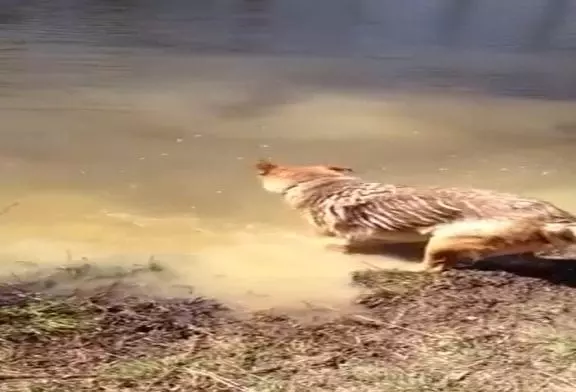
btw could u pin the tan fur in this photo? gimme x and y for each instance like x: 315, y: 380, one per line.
x: 478, y: 239
x: 269, y: 170
x: 276, y: 178
x: 475, y: 222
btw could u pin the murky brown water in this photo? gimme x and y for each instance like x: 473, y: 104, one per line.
x: 121, y: 142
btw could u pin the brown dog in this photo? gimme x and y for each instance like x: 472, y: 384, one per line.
x: 352, y: 211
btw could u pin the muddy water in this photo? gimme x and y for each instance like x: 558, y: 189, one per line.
x: 118, y: 149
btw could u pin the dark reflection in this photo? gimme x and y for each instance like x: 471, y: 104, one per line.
x: 252, y: 25
x: 105, y: 33
x: 12, y: 61
x: 409, y: 252
x: 11, y: 15
x: 112, y: 10
x: 248, y: 25
x: 452, y: 20
x: 118, y: 5
x: 113, y: 22
x: 555, y: 271
x: 554, y: 16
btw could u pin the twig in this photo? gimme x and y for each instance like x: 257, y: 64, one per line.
x: 558, y: 378
x: 8, y: 377
x: 375, y: 267
x: 217, y: 378
x: 9, y: 207
x: 365, y: 319
x: 254, y: 373
x: 265, y: 370
x: 20, y: 377
x: 160, y: 378
x: 393, y: 326
x: 542, y: 385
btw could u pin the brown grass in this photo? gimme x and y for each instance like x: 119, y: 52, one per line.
x: 458, y: 331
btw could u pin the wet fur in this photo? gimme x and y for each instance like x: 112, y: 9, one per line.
x: 478, y: 239
x: 480, y: 222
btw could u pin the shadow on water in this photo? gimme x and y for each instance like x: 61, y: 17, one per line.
x: 409, y: 252
x: 555, y: 15
x: 453, y: 19
x: 557, y: 271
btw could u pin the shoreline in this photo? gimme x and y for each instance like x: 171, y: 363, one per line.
x: 80, y: 328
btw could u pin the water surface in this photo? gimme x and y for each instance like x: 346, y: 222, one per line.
x: 129, y: 130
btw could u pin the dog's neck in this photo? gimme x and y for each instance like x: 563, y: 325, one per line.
x: 309, y: 193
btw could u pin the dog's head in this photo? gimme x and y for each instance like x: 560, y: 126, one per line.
x: 277, y: 178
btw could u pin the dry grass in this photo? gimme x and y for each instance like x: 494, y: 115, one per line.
x: 461, y: 331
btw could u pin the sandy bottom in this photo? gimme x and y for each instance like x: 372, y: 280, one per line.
x: 253, y: 266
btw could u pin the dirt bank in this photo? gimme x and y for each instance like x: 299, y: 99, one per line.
x: 466, y: 330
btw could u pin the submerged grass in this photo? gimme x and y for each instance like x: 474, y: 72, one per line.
x: 460, y: 331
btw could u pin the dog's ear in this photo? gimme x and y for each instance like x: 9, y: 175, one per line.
x: 341, y: 169
x: 264, y: 166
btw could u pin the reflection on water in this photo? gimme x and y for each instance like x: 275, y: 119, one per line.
x: 129, y: 127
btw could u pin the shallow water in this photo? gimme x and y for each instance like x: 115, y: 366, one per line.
x: 120, y: 142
